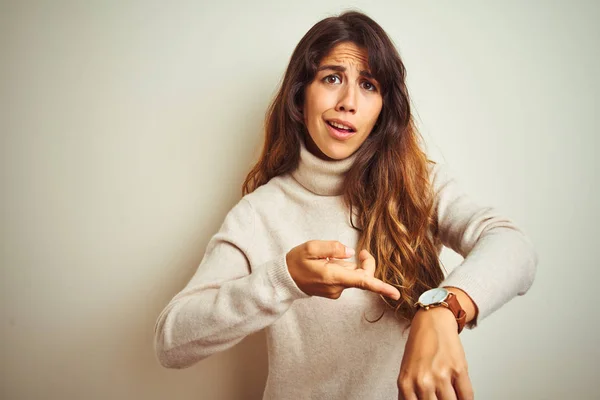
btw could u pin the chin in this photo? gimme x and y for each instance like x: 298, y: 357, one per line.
x: 337, y: 150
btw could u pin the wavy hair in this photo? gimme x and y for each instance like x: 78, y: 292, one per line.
x: 387, y: 189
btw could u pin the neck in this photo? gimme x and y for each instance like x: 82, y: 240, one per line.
x: 320, y: 176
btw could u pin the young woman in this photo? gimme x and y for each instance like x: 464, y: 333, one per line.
x: 334, y: 247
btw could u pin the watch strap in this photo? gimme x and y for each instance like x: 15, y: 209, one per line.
x: 453, y: 305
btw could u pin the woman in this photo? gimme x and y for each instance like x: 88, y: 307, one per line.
x: 342, y: 169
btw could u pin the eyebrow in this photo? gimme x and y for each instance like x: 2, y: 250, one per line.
x: 339, y: 68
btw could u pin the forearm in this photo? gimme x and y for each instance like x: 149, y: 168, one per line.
x: 499, y: 259
x: 208, y: 317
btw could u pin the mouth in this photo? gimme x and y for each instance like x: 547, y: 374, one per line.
x: 341, y: 126
x: 339, y: 133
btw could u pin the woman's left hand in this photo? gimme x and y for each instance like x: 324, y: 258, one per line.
x: 434, y: 366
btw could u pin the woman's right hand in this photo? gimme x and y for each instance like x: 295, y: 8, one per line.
x: 318, y: 269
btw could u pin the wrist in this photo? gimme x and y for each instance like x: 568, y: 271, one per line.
x: 436, y: 299
x: 439, y: 313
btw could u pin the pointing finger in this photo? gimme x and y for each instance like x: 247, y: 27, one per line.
x: 346, y: 264
x: 359, y: 279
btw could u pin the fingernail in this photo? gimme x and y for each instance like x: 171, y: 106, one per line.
x: 349, y: 252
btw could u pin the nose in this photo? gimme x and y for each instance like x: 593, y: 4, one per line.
x: 347, y: 101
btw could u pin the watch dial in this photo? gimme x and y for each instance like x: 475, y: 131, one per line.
x: 433, y: 296
x: 439, y: 296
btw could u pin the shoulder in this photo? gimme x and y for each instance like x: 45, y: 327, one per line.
x: 272, y: 194
x: 265, y: 203
x: 260, y: 201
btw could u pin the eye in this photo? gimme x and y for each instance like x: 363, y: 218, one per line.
x: 369, y: 86
x: 328, y: 79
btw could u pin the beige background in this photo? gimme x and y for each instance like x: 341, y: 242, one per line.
x: 128, y: 127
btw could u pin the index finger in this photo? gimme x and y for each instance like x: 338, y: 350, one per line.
x: 359, y: 279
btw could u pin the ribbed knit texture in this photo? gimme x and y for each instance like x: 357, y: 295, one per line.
x: 322, y: 348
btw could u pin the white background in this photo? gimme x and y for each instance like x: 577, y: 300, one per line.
x: 127, y: 129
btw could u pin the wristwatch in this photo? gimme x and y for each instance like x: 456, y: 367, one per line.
x: 440, y: 297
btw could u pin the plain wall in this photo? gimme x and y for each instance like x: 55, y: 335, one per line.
x: 127, y: 129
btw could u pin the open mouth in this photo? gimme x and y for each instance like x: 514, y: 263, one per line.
x: 340, y: 128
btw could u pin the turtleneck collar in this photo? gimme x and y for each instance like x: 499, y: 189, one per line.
x: 323, y: 178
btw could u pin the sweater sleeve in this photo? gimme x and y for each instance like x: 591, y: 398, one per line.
x: 499, y: 259
x: 227, y: 299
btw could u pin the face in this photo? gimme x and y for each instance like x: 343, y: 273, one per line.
x: 343, y: 93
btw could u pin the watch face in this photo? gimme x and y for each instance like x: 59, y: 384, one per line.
x: 433, y: 296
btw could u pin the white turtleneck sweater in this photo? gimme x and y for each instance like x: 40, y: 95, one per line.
x: 321, y: 348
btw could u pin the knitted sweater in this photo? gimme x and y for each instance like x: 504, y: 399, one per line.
x: 321, y: 348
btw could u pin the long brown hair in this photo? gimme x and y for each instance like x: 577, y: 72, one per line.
x: 387, y: 189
